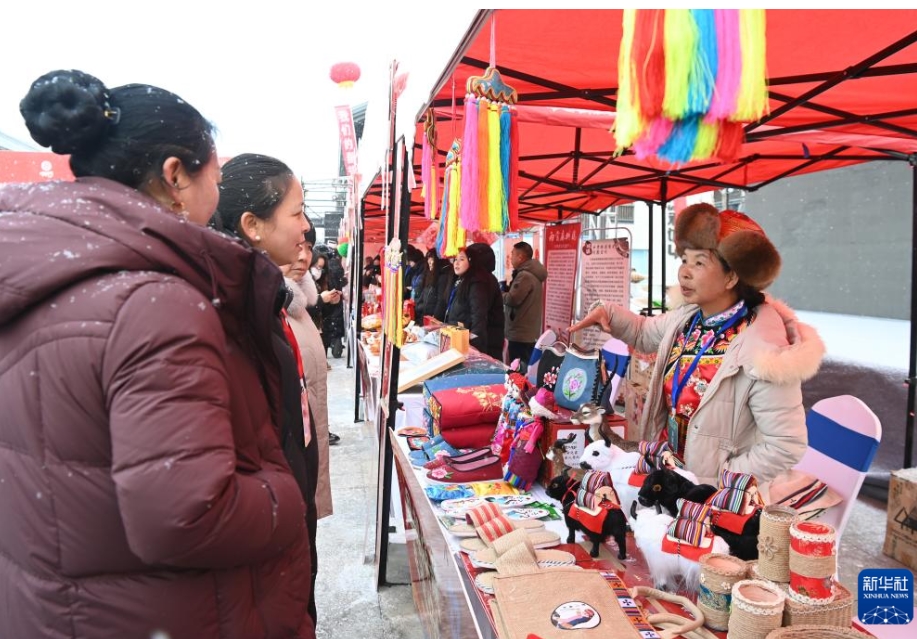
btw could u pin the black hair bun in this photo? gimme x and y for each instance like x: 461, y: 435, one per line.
x: 65, y: 110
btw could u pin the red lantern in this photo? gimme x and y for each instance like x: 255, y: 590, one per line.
x: 345, y: 74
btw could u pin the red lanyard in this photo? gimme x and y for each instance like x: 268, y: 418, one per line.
x: 291, y: 338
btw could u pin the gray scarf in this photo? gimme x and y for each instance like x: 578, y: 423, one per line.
x: 305, y: 296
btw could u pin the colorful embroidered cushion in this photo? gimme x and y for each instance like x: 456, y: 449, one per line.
x: 452, y: 379
x: 594, y: 483
x: 734, y: 494
x: 467, y: 405
x: 691, y: 525
x: 653, y: 450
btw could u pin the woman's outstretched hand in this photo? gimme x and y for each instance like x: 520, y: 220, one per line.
x: 596, y: 317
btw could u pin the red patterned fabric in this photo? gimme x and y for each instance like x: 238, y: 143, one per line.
x: 467, y: 406
x: 708, y: 366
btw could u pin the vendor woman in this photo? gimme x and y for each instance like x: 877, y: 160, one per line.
x: 730, y: 362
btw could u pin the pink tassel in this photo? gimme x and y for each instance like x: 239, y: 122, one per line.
x: 729, y: 69
x: 468, y: 204
x: 655, y: 136
x: 429, y: 189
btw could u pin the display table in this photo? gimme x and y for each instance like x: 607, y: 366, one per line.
x: 369, y: 369
x: 448, y: 603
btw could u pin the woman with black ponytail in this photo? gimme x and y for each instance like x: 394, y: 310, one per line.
x: 145, y: 490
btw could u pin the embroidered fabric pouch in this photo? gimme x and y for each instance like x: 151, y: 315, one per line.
x: 578, y: 379
x: 549, y: 366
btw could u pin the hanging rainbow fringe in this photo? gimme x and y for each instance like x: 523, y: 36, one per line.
x: 429, y: 176
x: 490, y: 156
x: 451, y: 236
x: 393, y: 293
x: 687, y: 80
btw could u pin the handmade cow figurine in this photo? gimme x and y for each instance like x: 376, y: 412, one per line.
x: 605, y: 456
x: 735, y: 513
x: 591, y: 506
x: 672, y: 546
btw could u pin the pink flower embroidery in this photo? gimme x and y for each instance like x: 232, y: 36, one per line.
x: 439, y: 473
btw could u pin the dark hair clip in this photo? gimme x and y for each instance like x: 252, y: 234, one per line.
x: 113, y: 114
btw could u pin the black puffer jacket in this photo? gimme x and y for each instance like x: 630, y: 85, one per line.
x: 478, y: 302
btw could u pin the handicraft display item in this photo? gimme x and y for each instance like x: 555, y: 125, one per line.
x: 687, y: 81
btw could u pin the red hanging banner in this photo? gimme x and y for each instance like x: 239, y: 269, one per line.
x: 348, y: 138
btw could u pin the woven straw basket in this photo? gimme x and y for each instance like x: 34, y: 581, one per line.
x: 837, y: 613
x: 815, y: 632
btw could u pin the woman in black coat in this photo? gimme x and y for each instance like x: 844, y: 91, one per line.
x: 331, y: 311
x: 429, y: 295
x: 475, y: 300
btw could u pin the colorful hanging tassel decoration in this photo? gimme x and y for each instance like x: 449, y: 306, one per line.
x: 451, y: 236
x: 428, y: 171
x: 489, y: 156
x: 687, y: 80
x: 393, y: 293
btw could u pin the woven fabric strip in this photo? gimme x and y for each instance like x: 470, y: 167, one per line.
x: 479, y: 515
x: 690, y: 526
x: 733, y: 495
x: 592, y: 481
x: 654, y: 451
x: 492, y: 530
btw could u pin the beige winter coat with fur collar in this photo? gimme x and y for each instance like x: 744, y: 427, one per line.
x: 751, y: 418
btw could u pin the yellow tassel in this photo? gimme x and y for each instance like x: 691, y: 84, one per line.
x: 454, y: 233
x: 680, y: 43
x: 705, y: 143
x: 494, y: 171
x: 751, y: 102
x: 628, y: 124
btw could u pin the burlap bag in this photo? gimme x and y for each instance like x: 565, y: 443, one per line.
x: 550, y: 603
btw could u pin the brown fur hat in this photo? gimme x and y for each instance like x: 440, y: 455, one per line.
x: 738, y: 239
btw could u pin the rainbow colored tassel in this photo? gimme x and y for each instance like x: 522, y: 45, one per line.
x: 490, y: 157
x: 447, y: 236
x: 686, y: 77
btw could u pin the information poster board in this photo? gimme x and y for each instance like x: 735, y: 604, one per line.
x: 605, y: 276
x: 560, y: 258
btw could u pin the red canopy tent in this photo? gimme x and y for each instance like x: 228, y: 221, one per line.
x: 842, y: 86
x: 28, y: 166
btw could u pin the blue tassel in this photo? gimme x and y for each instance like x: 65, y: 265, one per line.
x: 703, y: 72
x: 505, y: 124
x: 679, y: 146
x: 441, y: 235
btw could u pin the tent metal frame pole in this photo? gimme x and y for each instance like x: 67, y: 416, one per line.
x: 649, y: 275
x: 851, y: 72
x: 359, y: 251
x: 912, y: 365
x: 663, y: 233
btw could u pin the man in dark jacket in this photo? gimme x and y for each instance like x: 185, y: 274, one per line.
x: 523, y: 298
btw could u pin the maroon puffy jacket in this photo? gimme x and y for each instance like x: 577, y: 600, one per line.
x: 142, y: 486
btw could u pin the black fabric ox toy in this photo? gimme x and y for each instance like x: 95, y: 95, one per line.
x: 663, y: 487
x: 591, y: 508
